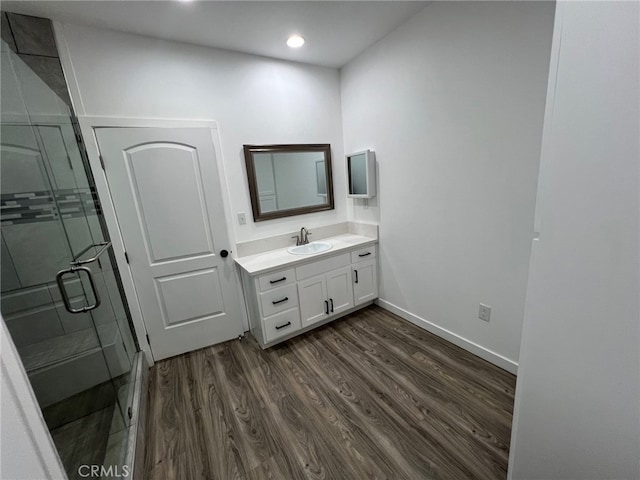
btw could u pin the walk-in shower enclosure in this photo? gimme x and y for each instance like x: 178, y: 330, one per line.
x: 61, y: 295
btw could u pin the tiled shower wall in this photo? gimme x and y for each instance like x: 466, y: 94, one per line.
x: 32, y: 39
x: 47, y: 208
x: 34, y: 159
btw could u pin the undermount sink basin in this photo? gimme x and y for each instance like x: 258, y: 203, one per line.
x: 309, y: 248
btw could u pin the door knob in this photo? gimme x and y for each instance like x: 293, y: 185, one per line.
x: 224, y: 253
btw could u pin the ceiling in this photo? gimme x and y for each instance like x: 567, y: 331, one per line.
x: 335, y: 31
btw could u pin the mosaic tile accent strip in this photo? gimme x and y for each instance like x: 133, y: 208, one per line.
x: 30, y: 207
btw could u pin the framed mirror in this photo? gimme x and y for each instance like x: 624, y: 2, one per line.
x: 286, y: 180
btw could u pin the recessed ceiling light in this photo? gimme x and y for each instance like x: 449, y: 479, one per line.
x: 295, y: 41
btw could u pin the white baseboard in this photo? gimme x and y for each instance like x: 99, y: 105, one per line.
x: 482, y: 352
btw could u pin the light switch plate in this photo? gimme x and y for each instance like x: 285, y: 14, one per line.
x: 242, y: 218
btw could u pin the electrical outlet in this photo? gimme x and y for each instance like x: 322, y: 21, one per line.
x: 242, y: 218
x: 484, y: 312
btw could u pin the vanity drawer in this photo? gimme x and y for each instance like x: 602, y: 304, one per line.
x: 276, y: 279
x: 363, y: 254
x: 279, y: 299
x: 322, y: 266
x: 281, y: 324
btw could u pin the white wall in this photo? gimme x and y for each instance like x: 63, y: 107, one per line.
x: 452, y: 102
x: 27, y: 451
x: 254, y: 100
x: 577, y: 397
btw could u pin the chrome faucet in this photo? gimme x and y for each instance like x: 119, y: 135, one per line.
x: 304, y: 236
x: 303, y: 239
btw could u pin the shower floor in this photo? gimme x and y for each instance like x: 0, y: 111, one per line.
x: 83, y: 441
x: 98, y: 437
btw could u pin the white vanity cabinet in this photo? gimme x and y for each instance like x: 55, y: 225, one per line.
x: 313, y: 292
x: 325, y: 296
x: 273, y: 299
x: 297, y: 298
x: 365, y: 275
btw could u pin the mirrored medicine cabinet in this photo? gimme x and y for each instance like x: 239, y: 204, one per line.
x: 361, y: 174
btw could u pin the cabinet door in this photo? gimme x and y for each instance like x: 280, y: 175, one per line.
x: 339, y: 290
x: 312, y: 295
x: 365, y: 282
x: 281, y: 324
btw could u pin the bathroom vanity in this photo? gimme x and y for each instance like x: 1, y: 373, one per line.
x: 288, y: 294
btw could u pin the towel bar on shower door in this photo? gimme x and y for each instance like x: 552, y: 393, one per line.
x: 76, y: 266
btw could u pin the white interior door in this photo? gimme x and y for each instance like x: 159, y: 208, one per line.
x: 166, y: 192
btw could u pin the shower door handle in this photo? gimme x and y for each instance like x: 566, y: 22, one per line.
x: 65, y: 295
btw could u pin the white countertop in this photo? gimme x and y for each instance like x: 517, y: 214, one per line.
x: 281, y: 258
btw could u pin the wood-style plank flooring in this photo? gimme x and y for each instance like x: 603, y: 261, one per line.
x: 367, y: 396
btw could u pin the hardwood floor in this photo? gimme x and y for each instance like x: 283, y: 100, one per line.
x: 367, y: 396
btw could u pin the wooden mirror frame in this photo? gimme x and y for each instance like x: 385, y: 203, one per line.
x: 250, y: 150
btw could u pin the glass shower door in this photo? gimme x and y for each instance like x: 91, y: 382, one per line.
x: 74, y: 334
x: 92, y: 266
x: 90, y: 248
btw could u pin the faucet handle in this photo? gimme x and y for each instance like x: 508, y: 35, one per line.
x: 297, y: 239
